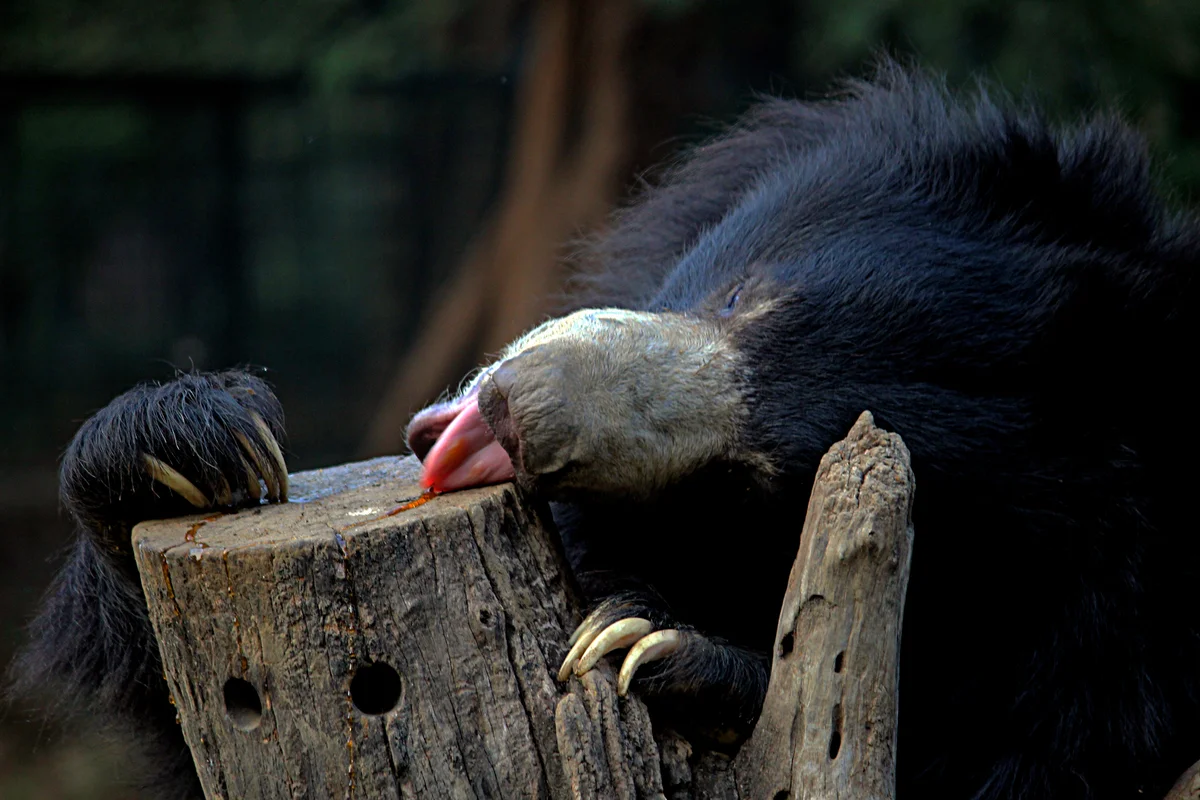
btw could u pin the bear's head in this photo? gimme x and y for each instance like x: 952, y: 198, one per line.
x: 966, y: 273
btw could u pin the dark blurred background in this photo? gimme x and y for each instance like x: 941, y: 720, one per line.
x: 367, y: 196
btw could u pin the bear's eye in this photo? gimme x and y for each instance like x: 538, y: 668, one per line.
x: 731, y: 301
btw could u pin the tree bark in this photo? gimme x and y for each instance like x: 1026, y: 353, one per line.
x: 358, y: 643
x: 278, y: 628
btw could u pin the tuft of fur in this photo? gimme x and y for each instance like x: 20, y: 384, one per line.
x: 92, y: 654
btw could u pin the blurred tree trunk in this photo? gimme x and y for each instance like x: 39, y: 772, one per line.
x: 569, y: 158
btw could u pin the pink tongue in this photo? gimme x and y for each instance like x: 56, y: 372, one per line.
x: 466, y: 454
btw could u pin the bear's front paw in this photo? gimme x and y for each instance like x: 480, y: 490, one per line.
x: 709, y: 688
x: 617, y: 623
x: 203, y: 441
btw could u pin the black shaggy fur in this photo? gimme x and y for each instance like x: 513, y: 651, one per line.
x: 93, y: 652
x: 1018, y: 303
x: 1015, y: 301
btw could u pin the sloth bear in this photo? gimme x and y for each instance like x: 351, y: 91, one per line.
x: 1013, y: 299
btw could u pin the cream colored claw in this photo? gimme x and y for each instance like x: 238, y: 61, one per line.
x: 275, y: 475
x: 622, y: 633
x: 224, y: 493
x: 652, y: 647
x: 169, y: 477
x: 267, y: 475
x: 252, y: 485
x: 269, y: 440
x: 579, y: 641
x: 587, y: 626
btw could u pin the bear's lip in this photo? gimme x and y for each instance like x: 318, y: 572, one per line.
x: 465, y: 452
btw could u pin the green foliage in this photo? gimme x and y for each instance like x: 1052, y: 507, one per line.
x: 669, y: 9
x: 327, y: 40
x: 1075, y: 56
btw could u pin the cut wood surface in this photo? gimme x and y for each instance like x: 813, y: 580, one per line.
x: 330, y: 648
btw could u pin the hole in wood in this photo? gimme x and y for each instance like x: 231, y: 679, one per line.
x: 375, y: 688
x: 837, y: 661
x: 835, y: 738
x: 242, y: 704
x: 785, y: 644
x: 782, y: 794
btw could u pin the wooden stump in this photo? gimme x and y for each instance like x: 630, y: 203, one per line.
x: 328, y: 648
x: 324, y: 649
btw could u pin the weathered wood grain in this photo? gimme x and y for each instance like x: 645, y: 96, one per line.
x: 828, y: 727
x: 467, y: 598
x: 266, y: 617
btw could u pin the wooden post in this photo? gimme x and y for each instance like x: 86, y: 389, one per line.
x: 828, y: 727
x: 330, y: 648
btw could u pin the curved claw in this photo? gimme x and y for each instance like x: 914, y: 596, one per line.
x: 267, y: 475
x: 169, y: 477
x: 274, y: 474
x: 252, y: 485
x: 652, y: 647
x: 580, y: 640
x: 224, y: 493
x: 583, y: 626
x: 622, y: 633
x: 272, y: 445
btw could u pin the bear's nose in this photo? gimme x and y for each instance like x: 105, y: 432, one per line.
x: 428, y: 425
x: 421, y: 439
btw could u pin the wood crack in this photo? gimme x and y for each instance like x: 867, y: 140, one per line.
x: 482, y: 712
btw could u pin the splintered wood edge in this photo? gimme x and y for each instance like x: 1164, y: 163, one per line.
x: 857, y: 536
